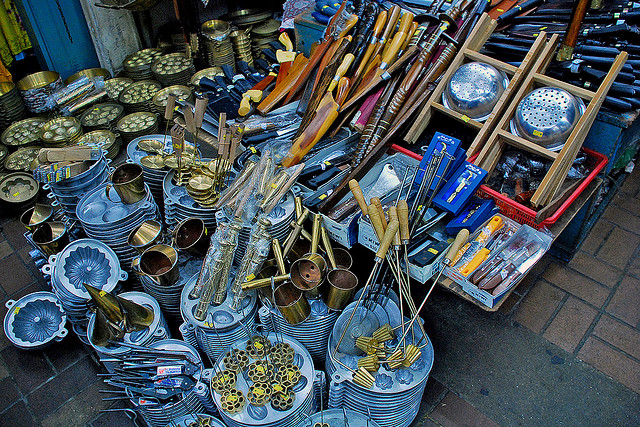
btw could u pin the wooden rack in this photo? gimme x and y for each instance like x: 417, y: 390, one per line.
x: 562, y: 161
x: 468, y: 53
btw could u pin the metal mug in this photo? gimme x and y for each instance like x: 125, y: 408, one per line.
x: 145, y: 236
x: 37, y: 215
x: 51, y: 237
x: 128, y: 181
x: 159, y: 263
x: 191, y: 235
x: 292, y: 303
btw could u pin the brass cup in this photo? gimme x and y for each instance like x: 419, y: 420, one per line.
x: 341, y: 286
x: 292, y: 304
x: 191, y: 235
x: 128, y: 181
x: 160, y: 263
x: 145, y: 236
x: 51, y: 237
x: 37, y: 215
x: 308, y: 272
x: 343, y: 258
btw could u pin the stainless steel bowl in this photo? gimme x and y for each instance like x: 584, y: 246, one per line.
x: 546, y: 116
x: 474, y: 89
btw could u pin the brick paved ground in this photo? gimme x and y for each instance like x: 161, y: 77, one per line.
x: 588, y: 307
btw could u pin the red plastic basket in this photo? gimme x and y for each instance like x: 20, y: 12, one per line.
x: 524, y: 215
x: 520, y: 213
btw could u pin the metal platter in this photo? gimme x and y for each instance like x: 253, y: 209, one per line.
x: 207, y: 72
x: 173, y: 69
x: 247, y: 16
x: 339, y: 418
x: 60, y: 131
x: 102, y: 116
x: 135, y: 125
x: 115, y: 86
x: 102, y: 140
x: 267, y: 415
x: 137, y: 96
x: 181, y: 92
x: 18, y: 188
x: 24, y: 132
x: 138, y: 65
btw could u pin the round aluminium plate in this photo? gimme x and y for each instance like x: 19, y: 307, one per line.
x: 35, y: 320
x: 87, y: 261
x: 195, y: 420
x: 337, y: 417
x: 22, y: 133
x: 23, y: 159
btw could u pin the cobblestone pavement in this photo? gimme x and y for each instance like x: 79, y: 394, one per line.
x: 588, y: 308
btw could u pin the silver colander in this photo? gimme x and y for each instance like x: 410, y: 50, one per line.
x: 474, y: 89
x: 546, y: 116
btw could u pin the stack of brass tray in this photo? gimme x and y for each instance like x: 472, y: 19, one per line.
x: 23, y: 133
x: 262, y: 34
x: 60, y: 132
x: 173, y: 69
x: 207, y: 72
x: 137, y: 124
x: 90, y: 73
x: 138, y: 65
x: 241, y: 40
x: 11, y: 106
x: 36, y: 88
x: 115, y: 86
x: 24, y: 159
x: 218, y: 43
x: 104, y: 140
x: 137, y: 97
x: 102, y: 116
x: 182, y: 93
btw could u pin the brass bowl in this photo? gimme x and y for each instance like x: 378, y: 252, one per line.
x: 33, y: 217
x: 215, y: 28
x: 37, y: 80
x: 89, y: 72
x: 51, y: 237
x: 146, y: 235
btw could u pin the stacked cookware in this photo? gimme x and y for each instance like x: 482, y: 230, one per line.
x: 83, y: 261
x: 135, y: 125
x: 173, y: 69
x: 104, y: 217
x: 115, y: 86
x: 11, y: 106
x: 223, y: 325
x: 158, y: 330
x: 137, y: 66
x: 23, y: 133
x: 241, y: 40
x: 159, y: 102
x: 137, y: 96
x: 35, y: 90
x: 60, y: 132
x: 68, y: 192
x: 102, y: 116
x: 218, y: 43
x: 154, y: 172
x: 263, y: 34
x: 102, y: 140
x: 179, y: 205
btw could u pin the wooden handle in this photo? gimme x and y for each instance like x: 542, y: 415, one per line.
x: 403, y: 218
x: 393, y: 215
x: 461, y: 238
x: 315, y: 233
x: 392, y: 20
x: 375, y: 201
x: 357, y: 194
x: 277, y: 254
x: 378, y: 26
x: 351, y: 22
x: 286, y: 41
x: 342, y: 69
x: 189, y: 120
x: 245, y: 106
x: 374, y: 217
x: 343, y: 89
x: 392, y: 230
x: 394, y: 48
x: 326, y: 243
x: 171, y: 104
x: 405, y: 23
x: 263, y: 283
x: 201, y: 106
x: 278, y: 94
x: 412, y: 30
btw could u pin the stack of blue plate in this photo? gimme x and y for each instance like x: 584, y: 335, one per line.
x: 83, y: 261
x: 111, y: 221
x: 313, y: 333
x: 158, y: 330
x: 303, y: 405
x: 223, y: 325
x: 68, y: 192
x: 394, y: 399
x: 152, y: 177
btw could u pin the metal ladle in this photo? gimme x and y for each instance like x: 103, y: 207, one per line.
x: 342, y: 282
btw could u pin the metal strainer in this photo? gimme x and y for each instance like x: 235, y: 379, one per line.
x: 474, y: 89
x: 546, y: 116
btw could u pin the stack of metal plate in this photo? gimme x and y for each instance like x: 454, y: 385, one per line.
x: 313, y: 333
x: 169, y: 296
x: 158, y: 330
x: 196, y: 420
x: 138, y: 65
x: 246, y: 17
x: 23, y: 133
x: 338, y: 418
x: 179, y: 205
x: 83, y: 261
x: 102, y: 140
x: 241, y: 40
x: 135, y: 125
x: 173, y: 69
x: 154, y: 172
x: 137, y: 96
x: 35, y: 90
x: 302, y: 391
x: 280, y: 217
x: 223, y: 325
x: 210, y: 73
x: 218, y: 43
x: 109, y: 220
x: 102, y: 116
x: 23, y: 159
x: 158, y: 414
x: 394, y: 399
x: 262, y: 34
x: 60, y: 132
x: 11, y: 106
x: 159, y: 101
x: 115, y: 86
x: 35, y: 321
x: 68, y: 192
